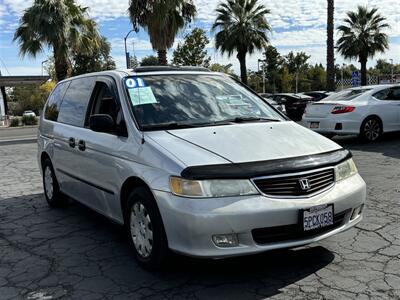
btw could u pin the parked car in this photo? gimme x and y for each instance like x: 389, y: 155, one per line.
x: 317, y: 95
x: 280, y: 107
x: 366, y: 111
x: 295, y: 104
x: 194, y: 162
x: 28, y: 113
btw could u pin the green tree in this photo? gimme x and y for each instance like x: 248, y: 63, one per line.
x: 330, y: 48
x: 29, y: 97
x: 242, y: 27
x: 150, y: 60
x: 297, y: 65
x: 285, y: 80
x: 98, y: 59
x: 162, y: 20
x: 362, y: 36
x: 133, y: 63
x: 192, y: 51
x: 317, y: 78
x: 227, y: 69
x: 61, y: 25
x: 272, y: 62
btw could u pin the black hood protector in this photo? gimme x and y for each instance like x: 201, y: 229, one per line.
x: 266, y: 168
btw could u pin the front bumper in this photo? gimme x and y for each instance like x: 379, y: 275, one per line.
x: 190, y: 223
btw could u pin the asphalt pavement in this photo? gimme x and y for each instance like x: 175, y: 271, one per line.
x: 74, y: 253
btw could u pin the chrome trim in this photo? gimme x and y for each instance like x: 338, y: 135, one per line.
x: 293, y: 175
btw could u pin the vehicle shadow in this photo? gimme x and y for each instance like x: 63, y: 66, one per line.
x: 82, y: 245
x: 388, y: 145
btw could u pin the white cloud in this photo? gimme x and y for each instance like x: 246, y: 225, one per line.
x: 299, y: 25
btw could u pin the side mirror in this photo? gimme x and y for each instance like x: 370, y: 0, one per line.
x: 102, y: 123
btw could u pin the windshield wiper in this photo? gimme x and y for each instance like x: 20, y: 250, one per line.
x: 168, y: 125
x: 252, y: 119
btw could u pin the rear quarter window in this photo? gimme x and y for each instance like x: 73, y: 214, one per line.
x: 52, y: 108
x: 74, y: 105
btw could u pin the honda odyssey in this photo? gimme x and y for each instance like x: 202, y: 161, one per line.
x: 194, y: 162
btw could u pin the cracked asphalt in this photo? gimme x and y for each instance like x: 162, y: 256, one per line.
x: 74, y: 253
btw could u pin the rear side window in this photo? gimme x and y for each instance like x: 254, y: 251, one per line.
x: 346, y: 95
x: 73, y: 107
x: 52, y: 108
x: 388, y: 94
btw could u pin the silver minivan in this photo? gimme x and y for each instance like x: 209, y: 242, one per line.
x: 194, y: 162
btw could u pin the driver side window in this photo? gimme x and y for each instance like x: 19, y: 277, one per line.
x: 104, y: 102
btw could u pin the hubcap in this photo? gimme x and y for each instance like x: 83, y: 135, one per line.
x: 372, y: 130
x: 48, y: 182
x: 141, y: 230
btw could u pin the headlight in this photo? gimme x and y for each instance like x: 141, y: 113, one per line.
x: 211, y: 188
x: 345, y: 170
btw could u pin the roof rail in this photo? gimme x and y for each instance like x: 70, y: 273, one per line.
x: 169, y: 68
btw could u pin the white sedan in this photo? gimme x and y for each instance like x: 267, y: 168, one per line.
x: 366, y: 111
x: 29, y: 113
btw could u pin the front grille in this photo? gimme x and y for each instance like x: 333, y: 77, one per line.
x: 290, y: 185
x: 294, y: 232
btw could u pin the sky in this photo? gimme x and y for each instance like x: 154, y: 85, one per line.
x: 298, y: 25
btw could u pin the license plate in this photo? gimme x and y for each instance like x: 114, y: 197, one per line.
x: 314, y: 125
x: 317, y: 217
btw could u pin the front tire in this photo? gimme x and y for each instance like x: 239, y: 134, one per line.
x: 52, y: 192
x: 145, y: 229
x: 371, y: 129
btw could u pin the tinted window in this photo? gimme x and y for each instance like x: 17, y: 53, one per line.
x: 106, y: 103
x: 388, y: 94
x: 73, y: 107
x: 382, y: 95
x: 346, y: 95
x: 53, y: 104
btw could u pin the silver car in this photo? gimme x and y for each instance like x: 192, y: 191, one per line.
x: 194, y: 162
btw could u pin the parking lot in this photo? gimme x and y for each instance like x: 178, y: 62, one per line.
x: 74, y: 253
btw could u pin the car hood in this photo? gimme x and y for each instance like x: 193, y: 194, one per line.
x: 240, y: 143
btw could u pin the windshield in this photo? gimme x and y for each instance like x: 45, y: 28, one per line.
x: 189, y: 100
x: 346, y: 95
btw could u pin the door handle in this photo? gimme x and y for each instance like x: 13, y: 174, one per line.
x: 82, y: 145
x: 71, y: 142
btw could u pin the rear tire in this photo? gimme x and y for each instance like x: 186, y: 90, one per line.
x: 371, y: 129
x: 145, y: 229
x: 52, y: 192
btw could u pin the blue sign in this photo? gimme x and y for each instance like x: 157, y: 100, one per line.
x: 355, y: 78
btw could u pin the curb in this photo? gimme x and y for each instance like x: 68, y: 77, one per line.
x: 18, y: 141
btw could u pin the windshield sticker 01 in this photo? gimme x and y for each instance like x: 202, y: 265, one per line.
x: 139, y: 93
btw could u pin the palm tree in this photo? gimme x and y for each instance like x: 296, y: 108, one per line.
x: 60, y: 25
x: 162, y: 20
x: 330, y: 46
x: 362, y: 37
x: 242, y: 28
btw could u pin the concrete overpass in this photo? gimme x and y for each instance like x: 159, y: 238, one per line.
x: 11, y: 81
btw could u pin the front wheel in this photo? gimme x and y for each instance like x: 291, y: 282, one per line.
x: 145, y: 229
x: 371, y: 129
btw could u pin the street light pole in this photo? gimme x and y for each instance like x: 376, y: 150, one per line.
x: 263, y: 72
x: 126, y: 50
